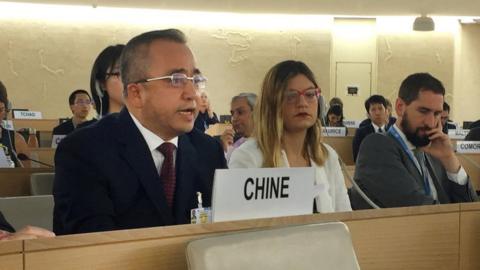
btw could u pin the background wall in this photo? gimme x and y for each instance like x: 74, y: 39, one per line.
x: 44, y: 59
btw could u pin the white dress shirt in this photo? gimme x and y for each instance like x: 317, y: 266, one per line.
x: 154, y: 141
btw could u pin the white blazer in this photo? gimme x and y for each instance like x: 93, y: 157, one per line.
x: 332, y: 194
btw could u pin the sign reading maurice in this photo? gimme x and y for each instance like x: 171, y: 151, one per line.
x: 458, y: 133
x: 261, y: 193
x: 468, y: 146
x: 334, y: 131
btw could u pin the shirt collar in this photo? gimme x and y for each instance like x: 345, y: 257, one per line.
x: 404, y: 138
x: 375, y: 127
x: 153, y: 141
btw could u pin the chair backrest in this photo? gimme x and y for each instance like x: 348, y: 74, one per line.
x: 41, y: 183
x: 28, y: 210
x: 304, y: 247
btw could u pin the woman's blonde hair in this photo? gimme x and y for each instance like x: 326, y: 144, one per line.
x: 268, y: 116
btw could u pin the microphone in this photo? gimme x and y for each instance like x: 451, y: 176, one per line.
x: 356, y: 187
x: 23, y: 157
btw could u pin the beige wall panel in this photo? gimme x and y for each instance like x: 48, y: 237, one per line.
x: 11, y: 262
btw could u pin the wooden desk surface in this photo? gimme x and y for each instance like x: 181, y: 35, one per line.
x: 41, y: 125
x: 427, y: 237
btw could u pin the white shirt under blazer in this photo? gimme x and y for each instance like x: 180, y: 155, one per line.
x: 331, y: 194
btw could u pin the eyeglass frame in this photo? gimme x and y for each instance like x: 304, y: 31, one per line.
x: 83, y: 103
x: 301, y: 93
x: 184, y: 77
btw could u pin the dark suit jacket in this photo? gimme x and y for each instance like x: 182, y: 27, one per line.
x: 4, y: 225
x: 360, y: 134
x: 105, y: 178
x: 390, y: 179
x: 203, y: 121
x: 67, y: 127
x: 473, y: 135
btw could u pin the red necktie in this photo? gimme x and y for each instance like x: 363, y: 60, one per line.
x: 167, y: 172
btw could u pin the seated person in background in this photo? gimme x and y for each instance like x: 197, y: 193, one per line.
x: 376, y: 109
x: 288, y: 132
x: 8, y: 233
x: 141, y: 167
x: 10, y: 141
x: 80, y: 105
x: 335, y: 101
x: 473, y: 134
x: 388, y: 111
x: 414, y: 164
x: 206, y: 116
x: 105, y: 82
x: 335, y: 116
x: 241, y: 109
x: 446, y: 124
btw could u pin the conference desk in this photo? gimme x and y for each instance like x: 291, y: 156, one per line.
x: 16, y: 182
x: 43, y: 126
x: 427, y: 237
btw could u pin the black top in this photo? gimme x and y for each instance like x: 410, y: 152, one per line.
x: 67, y: 127
x: 203, y: 121
x: 4, y: 225
x: 473, y: 135
x: 367, y: 122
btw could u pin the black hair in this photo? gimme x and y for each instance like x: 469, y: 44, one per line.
x: 375, y: 99
x: 71, y: 98
x: 104, y: 62
x: 446, y: 107
x: 336, y: 110
x: 413, y: 84
x: 134, y: 59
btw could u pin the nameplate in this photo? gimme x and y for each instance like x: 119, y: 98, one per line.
x: 27, y: 115
x: 468, y: 147
x: 458, y: 133
x: 7, y: 124
x: 334, y: 131
x: 352, y: 123
x: 262, y: 193
x: 56, y: 140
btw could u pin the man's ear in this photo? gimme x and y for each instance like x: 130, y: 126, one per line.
x: 400, y: 107
x: 134, y: 96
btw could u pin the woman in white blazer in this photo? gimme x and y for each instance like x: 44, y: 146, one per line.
x: 288, y: 134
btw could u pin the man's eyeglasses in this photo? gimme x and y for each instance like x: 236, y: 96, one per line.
x: 180, y: 80
x: 310, y: 95
x: 83, y: 102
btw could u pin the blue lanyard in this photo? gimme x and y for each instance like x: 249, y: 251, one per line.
x: 397, y: 136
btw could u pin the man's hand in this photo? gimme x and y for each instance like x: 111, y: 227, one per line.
x: 227, y: 138
x: 441, y: 148
x: 29, y: 232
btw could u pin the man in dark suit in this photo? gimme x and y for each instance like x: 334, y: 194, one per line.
x: 376, y: 107
x: 445, y: 118
x: 415, y: 163
x: 80, y: 105
x: 143, y: 166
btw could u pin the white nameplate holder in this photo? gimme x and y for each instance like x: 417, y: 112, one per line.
x: 466, y: 147
x: 334, y: 131
x: 7, y: 124
x: 56, y: 139
x: 352, y: 123
x: 27, y: 115
x: 262, y: 193
x: 459, y: 134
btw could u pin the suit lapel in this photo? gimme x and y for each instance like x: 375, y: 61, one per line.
x: 441, y: 194
x: 137, y: 154
x: 186, y: 172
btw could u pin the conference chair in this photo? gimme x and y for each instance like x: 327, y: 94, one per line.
x: 41, y: 183
x: 28, y: 210
x: 313, y: 246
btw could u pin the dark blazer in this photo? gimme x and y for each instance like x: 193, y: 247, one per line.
x: 360, y: 134
x: 4, y: 225
x: 67, y: 127
x: 202, y: 122
x: 390, y: 179
x: 473, y: 135
x: 105, y: 178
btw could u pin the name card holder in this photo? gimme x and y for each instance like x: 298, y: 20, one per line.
x: 27, y: 115
x: 465, y: 147
x: 352, y: 123
x: 8, y: 124
x: 334, y: 131
x: 56, y: 140
x: 459, y: 134
x: 262, y: 193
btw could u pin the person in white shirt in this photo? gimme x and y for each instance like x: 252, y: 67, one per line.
x: 288, y: 134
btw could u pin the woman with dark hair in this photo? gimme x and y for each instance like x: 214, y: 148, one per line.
x: 288, y: 134
x: 335, y: 116
x: 11, y: 142
x: 105, y: 82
